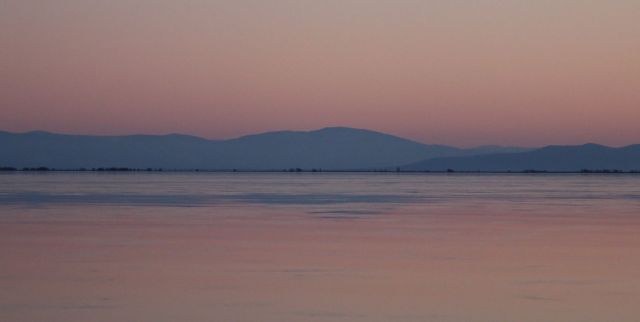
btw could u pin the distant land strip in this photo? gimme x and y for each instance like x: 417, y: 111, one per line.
x: 300, y: 170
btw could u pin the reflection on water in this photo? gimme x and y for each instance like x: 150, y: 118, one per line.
x: 319, y: 247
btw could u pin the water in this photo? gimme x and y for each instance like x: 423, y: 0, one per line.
x: 319, y: 247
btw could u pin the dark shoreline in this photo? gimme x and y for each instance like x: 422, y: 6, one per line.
x: 299, y: 170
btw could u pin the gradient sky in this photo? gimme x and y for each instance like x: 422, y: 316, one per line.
x: 452, y: 72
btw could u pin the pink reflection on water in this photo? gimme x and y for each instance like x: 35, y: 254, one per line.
x: 463, y: 262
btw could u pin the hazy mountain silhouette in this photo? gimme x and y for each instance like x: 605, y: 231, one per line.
x: 550, y: 158
x: 335, y: 148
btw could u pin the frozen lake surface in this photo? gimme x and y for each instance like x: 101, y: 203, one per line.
x: 319, y: 247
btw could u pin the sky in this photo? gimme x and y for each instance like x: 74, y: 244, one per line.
x: 456, y: 72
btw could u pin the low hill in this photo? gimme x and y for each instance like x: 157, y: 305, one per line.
x: 551, y: 158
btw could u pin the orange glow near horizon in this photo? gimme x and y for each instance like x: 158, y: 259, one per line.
x: 448, y: 72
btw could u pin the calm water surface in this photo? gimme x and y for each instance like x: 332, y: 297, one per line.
x: 319, y: 247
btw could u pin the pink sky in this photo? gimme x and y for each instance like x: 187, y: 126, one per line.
x: 451, y: 72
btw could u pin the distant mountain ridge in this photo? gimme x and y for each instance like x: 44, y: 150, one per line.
x: 332, y: 148
x: 552, y: 158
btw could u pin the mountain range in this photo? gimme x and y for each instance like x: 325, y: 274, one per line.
x: 332, y: 148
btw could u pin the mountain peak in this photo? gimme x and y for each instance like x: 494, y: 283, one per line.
x: 341, y: 129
